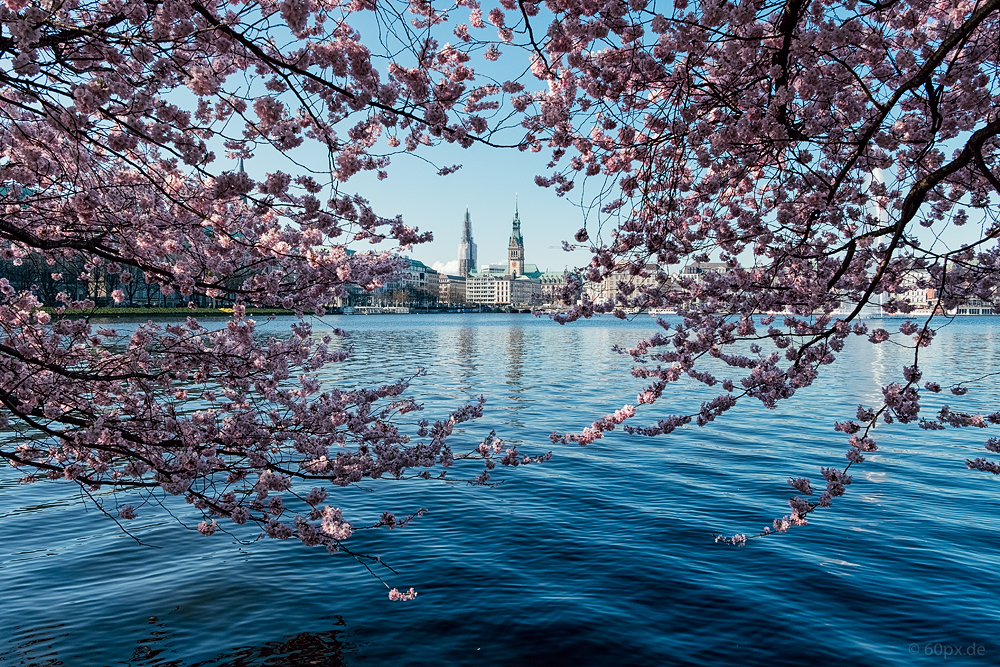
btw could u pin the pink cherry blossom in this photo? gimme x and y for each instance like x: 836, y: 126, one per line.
x: 790, y: 159
x: 782, y: 149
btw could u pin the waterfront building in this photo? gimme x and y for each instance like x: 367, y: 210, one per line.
x: 914, y: 289
x: 493, y: 269
x: 696, y: 270
x: 975, y: 307
x: 621, y: 281
x: 415, y: 285
x: 496, y: 290
x: 518, y: 291
x: 451, y: 289
x: 418, y: 284
x: 481, y: 288
x: 693, y: 275
x: 466, y: 248
x: 552, y: 284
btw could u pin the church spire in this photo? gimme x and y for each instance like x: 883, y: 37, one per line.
x: 515, y: 234
x: 466, y: 248
x: 467, y: 227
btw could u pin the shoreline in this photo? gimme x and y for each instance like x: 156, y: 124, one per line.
x: 184, y: 312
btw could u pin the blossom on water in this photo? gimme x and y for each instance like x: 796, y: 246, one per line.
x: 983, y: 465
x: 396, y: 596
x: 736, y: 540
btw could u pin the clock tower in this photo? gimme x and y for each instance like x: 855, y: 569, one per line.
x: 515, y: 250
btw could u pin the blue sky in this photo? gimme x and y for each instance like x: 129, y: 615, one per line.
x: 487, y: 184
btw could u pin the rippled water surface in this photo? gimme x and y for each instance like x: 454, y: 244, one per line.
x: 602, y: 556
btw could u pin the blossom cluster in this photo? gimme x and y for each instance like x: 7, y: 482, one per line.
x: 788, y: 155
x: 110, y: 178
x: 815, y: 139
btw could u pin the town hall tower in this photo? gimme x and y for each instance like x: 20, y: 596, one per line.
x: 515, y: 251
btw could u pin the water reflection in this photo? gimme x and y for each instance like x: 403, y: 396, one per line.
x: 515, y: 363
x: 35, y: 648
x: 323, y: 648
x: 876, y: 367
x: 513, y: 377
x: 466, y: 356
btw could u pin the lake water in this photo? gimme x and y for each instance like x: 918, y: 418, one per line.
x: 604, y: 555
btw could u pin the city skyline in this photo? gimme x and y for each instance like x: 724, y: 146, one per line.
x: 486, y: 185
x: 489, y: 243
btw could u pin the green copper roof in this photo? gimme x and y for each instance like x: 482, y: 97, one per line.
x: 515, y: 234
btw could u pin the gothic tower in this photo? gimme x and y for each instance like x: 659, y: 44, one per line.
x: 466, y: 249
x: 515, y: 251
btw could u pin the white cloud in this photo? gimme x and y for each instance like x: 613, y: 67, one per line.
x: 450, y: 268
